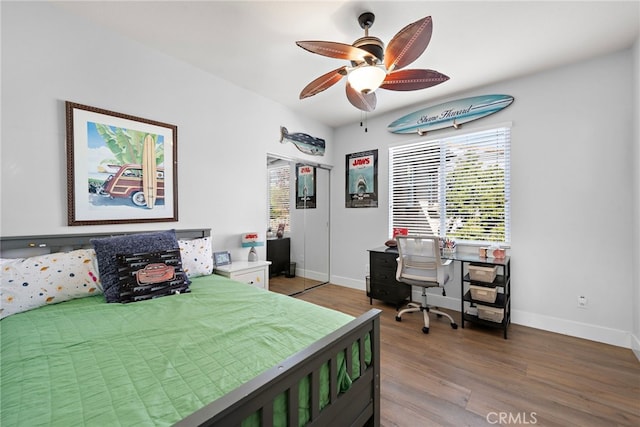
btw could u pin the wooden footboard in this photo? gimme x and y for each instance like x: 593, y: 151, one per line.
x: 358, y: 406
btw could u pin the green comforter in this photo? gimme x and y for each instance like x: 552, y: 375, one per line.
x: 149, y: 363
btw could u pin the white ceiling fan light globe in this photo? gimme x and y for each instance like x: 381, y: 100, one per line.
x: 366, y: 78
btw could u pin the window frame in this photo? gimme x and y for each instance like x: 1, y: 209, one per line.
x: 286, y: 198
x: 429, y: 189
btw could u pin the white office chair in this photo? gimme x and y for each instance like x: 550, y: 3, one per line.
x: 419, y: 264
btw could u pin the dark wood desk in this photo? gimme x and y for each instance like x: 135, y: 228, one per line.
x: 382, y: 277
x: 279, y: 253
x: 384, y: 286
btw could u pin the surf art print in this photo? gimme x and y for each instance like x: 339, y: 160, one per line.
x: 122, y: 168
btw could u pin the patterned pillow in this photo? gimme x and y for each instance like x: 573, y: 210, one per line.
x: 29, y: 283
x: 197, y: 256
x: 150, y: 275
x: 107, y: 249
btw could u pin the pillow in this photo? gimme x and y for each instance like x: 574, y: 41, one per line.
x: 197, y: 256
x: 29, y: 283
x: 150, y: 275
x: 107, y: 249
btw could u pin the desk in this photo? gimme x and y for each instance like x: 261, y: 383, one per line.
x: 383, y: 285
x: 279, y: 253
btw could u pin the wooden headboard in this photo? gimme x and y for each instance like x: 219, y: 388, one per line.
x: 65, y: 242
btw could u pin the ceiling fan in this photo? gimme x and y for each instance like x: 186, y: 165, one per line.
x: 373, y: 66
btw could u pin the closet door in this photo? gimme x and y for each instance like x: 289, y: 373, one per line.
x: 316, y: 233
x: 308, y: 226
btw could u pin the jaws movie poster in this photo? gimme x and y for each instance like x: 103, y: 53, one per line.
x: 362, y: 180
x: 305, y: 186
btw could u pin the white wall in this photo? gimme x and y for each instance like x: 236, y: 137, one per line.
x: 582, y: 196
x: 571, y: 195
x: 224, y: 132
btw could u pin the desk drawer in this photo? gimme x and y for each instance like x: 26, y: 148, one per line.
x: 383, y: 261
x: 383, y: 275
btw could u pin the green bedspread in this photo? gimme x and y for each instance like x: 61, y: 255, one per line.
x: 149, y: 363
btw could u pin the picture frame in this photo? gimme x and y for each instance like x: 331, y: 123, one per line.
x: 222, y: 258
x: 361, y: 181
x: 120, y: 168
x: 305, y: 186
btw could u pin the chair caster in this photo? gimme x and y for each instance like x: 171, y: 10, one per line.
x: 425, y: 330
x: 454, y: 326
x: 398, y: 319
x: 439, y: 315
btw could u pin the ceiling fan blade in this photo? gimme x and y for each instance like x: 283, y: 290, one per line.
x: 408, y: 44
x: 335, y: 50
x: 364, y: 102
x: 413, y: 79
x: 323, y: 82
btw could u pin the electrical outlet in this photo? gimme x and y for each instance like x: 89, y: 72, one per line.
x: 582, y: 301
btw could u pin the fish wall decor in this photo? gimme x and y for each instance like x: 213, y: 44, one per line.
x: 306, y: 143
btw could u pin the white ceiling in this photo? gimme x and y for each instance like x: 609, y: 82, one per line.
x: 475, y: 43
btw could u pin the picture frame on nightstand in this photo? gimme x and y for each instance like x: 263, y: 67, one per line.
x: 222, y: 258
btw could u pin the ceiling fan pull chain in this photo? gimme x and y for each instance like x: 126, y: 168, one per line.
x: 363, y: 119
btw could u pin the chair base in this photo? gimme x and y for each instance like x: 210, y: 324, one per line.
x: 413, y: 307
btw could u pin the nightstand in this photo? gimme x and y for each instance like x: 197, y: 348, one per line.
x: 254, y: 273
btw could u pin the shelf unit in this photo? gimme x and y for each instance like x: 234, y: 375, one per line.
x: 503, y: 297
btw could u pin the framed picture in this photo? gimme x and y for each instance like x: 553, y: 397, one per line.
x: 362, y: 180
x: 221, y: 258
x: 305, y: 186
x: 120, y: 168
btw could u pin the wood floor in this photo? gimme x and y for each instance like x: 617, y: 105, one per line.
x: 291, y: 285
x: 474, y: 377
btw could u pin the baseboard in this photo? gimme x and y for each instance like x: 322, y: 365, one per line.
x: 635, y: 345
x: 575, y: 329
x: 312, y: 275
x: 587, y: 331
x: 349, y: 283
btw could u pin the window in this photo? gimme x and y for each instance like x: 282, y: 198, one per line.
x: 279, y: 197
x: 455, y: 187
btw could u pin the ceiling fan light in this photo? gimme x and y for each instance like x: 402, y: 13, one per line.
x: 366, y: 78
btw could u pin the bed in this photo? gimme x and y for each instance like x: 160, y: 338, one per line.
x: 223, y: 353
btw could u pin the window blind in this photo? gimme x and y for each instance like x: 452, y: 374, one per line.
x: 456, y: 187
x: 279, y: 197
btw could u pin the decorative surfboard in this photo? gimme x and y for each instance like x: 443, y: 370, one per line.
x: 448, y: 114
x: 149, y: 173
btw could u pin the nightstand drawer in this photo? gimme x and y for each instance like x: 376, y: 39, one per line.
x: 254, y: 272
x: 255, y: 278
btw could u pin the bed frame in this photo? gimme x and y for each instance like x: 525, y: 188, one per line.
x: 358, y: 406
